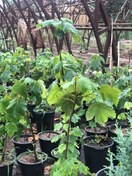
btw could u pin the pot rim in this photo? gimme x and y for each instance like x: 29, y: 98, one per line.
x: 98, y: 147
x: 104, y: 127
x: 18, y: 142
x: 46, y: 131
x: 97, y: 174
x: 52, y: 152
x: 28, y: 163
x: 11, y: 161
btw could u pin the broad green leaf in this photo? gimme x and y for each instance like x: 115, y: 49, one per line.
x: 56, y: 138
x: 122, y: 116
x: 95, y: 62
x: 53, y: 94
x: 19, y: 88
x: 2, y: 88
x: 85, y: 85
x: 75, y: 118
x: 128, y: 105
x: 5, y: 76
x: 61, y: 148
x: 58, y: 126
x: 110, y: 93
x: 11, y: 128
x: 17, y: 107
x: 100, y: 112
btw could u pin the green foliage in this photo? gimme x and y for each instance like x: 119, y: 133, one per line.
x: 13, y: 106
x: 68, y: 97
x: 101, y: 112
x: 69, y: 167
x: 62, y: 27
x: 96, y: 62
x: 43, y: 66
x: 110, y: 93
x: 70, y: 65
x: 124, y: 154
x: 14, y: 65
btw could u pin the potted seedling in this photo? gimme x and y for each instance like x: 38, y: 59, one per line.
x: 64, y: 65
x: 96, y: 149
x: 45, y: 125
x: 69, y: 97
x: 99, y: 111
x: 6, y: 158
x: 44, y: 116
x: 16, y: 107
x: 122, y: 157
x: 10, y: 125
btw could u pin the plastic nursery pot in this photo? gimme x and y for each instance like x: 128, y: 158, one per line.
x: 6, y: 169
x: 100, y: 130
x: 44, y: 121
x: 45, y: 138
x: 95, y: 155
x: 102, y: 172
x: 22, y: 145
x: 54, y: 153
x: 112, y: 133
x: 28, y: 165
x: 112, y: 130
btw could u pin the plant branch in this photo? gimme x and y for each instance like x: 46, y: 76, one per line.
x: 69, y: 122
x: 34, y: 141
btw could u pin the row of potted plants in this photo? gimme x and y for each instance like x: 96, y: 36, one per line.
x: 60, y: 82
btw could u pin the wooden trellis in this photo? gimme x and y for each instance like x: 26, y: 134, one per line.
x: 87, y: 15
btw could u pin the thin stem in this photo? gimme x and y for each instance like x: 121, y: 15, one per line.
x: 69, y: 122
x: 34, y: 141
x: 4, y: 149
x: 62, y: 69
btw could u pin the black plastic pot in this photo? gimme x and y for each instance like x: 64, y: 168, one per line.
x: 31, y: 169
x: 54, y: 153
x: 6, y: 170
x: 95, y: 156
x: 110, y: 123
x: 44, y: 121
x: 89, y: 133
x: 21, y: 147
x: 45, y: 143
x: 112, y: 129
x: 102, y: 172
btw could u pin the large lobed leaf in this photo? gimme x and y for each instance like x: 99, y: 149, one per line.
x: 110, y: 93
x: 100, y: 112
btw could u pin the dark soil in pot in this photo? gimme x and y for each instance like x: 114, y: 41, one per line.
x: 22, y: 144
x: 95, y: 151
x: 45, y: 138
x: 6, y: 167
x: 100, y: 130
x: 44, y: 121
x: 28, y: 165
